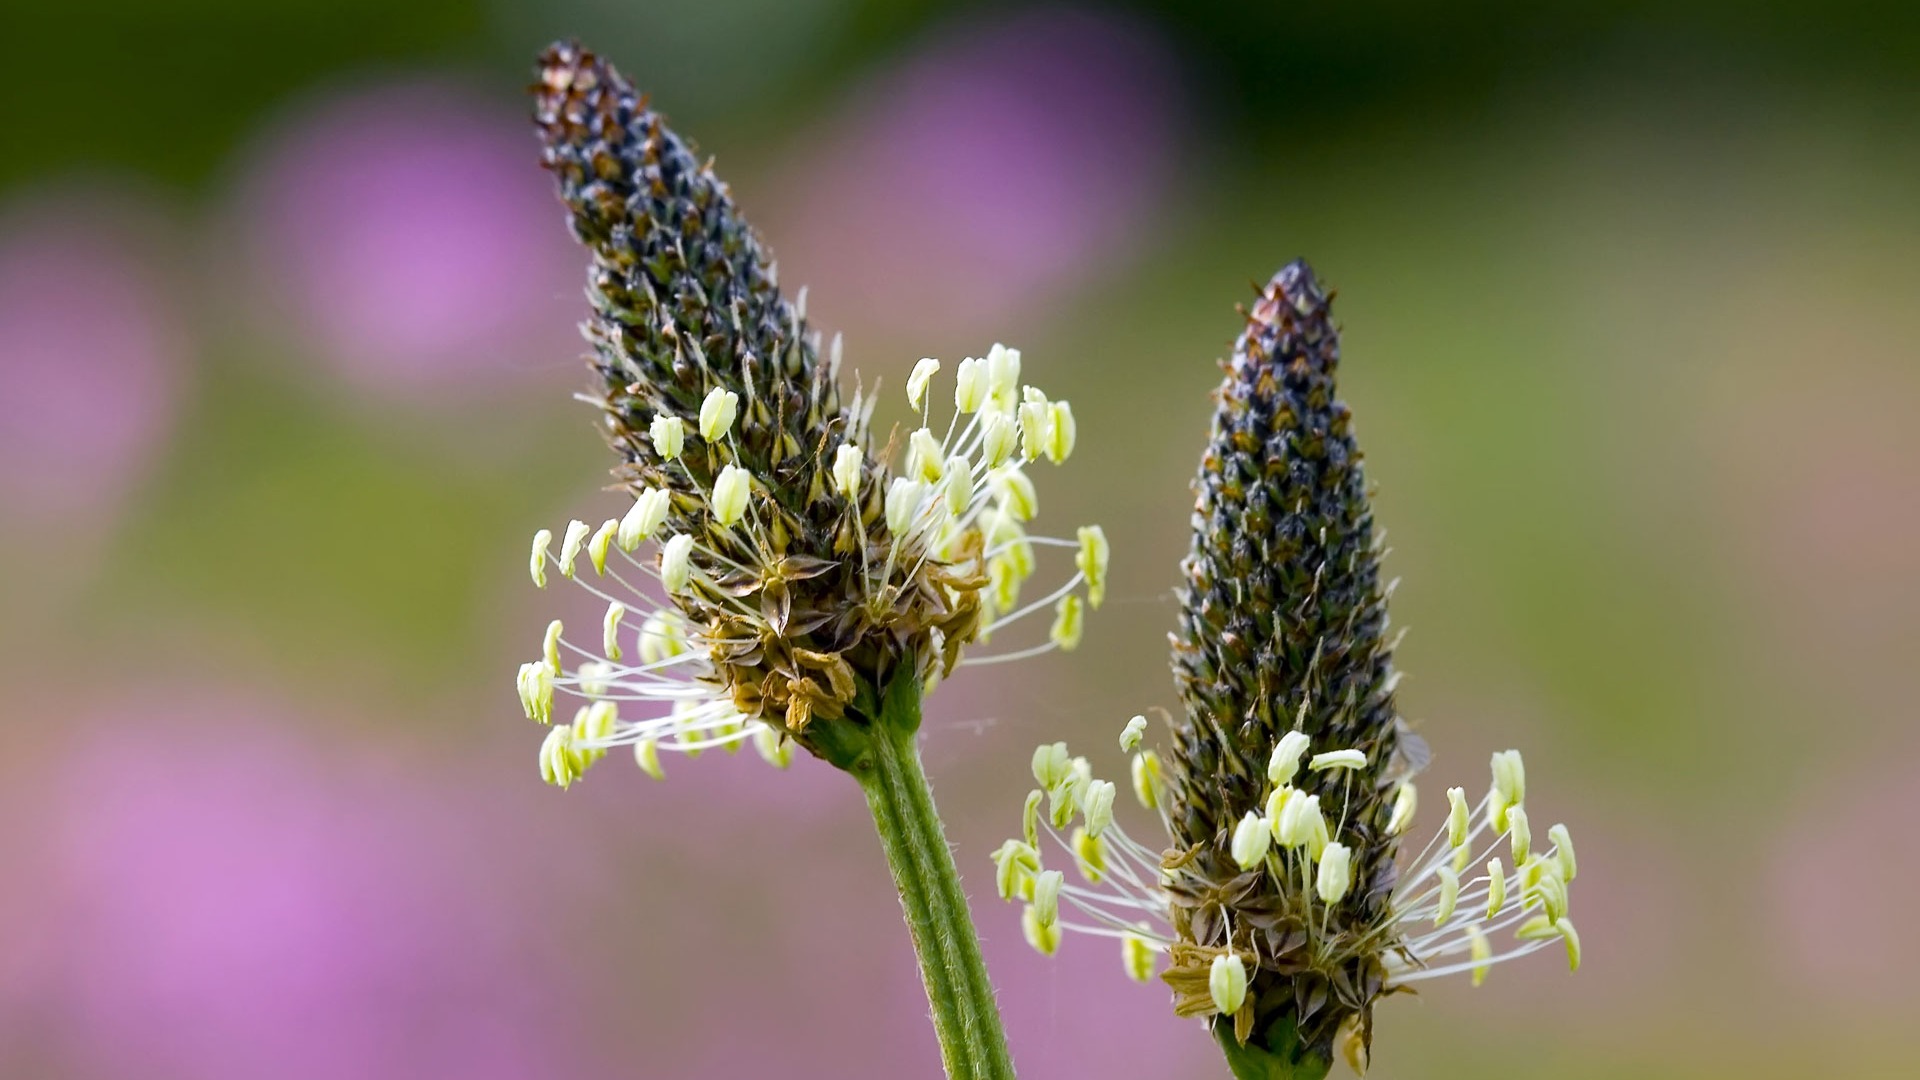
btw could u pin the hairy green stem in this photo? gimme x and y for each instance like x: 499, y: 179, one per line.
x: 965, y: 1017
x: 1282, y: 1058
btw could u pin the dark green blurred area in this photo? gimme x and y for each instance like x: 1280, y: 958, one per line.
x: 167, y: 89
x: 1627, y: 293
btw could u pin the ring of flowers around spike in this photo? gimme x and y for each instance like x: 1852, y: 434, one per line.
x: 1440, y: 916
x: 757, y: 620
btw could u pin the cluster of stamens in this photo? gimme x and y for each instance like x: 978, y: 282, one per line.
x: 949, y: 533
x: 1444, y: 913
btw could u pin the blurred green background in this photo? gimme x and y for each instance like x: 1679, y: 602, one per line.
x: 285, y: 356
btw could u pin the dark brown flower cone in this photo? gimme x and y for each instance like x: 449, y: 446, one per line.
x: 684, y: 296
x: 1282, y: 621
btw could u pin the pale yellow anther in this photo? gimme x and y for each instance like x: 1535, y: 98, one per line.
x: 644, y: 518
x: 1003, y: 375
x: 1147, y: 782
x: 1530, y: 873
x: 1509, y: 786
x: 585, y: 727
x: 676, y: 563
x: 1572, y: 937
x: 558, y: 764
x: 1338, y: 759
x: 730, y: 491
x: 1051, y: 764
x: 1496, y: 887
x: 970, y: 385
x: 1563, y: 850
x: 1551, y: 892
x: 537, y: 561
x: 1013, y: 863
x: 1520, y: 832
x: 598, y: 722
x: 1061, y: 431
x: 595, y: 677
x: 610, y: 630
x: 925, y: 460
x: 1277, y: 806
x: 646, y: 754
x: 1538, y: 928
x: 685, y: 711
x: 1068, y: 622
x: 1036, y: 423
x: 535, y: 684
x: 904, y: 498
x: 1406, y: 802
x: 730, y: 724
x: 1302, y: 825
x: 1030, y: 817
x: 1068, y: 794
x: 1136, y: 955
x: 848, y: 465
x: 1458, y: 817
x: 1227, y: 983
x: 669, y: 434
x: 550, y: 646
x: 1015, y: 491
x: 1090, y: 852
x: 597, y: 547
x: 662, y: 636
x: 1335, y: 875
x: 1091, y: 560
x: 959, y: 485
x: 1098, y: 807
x: 923, y: 373
x: 1046, y: 895
x: 1251, y: 839
x: 999, y: 438
x: 772, y: 746
x: 1449, y: 895
x: 1044, y: 937
x: 570, y: 546
x: 1481, y: 950
x: 1510, y: 776
x: 1132, y: 734
x: 1285, y: 760
x: 717, y: 413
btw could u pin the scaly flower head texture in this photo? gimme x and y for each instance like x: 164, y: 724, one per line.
x: 1279, y: 903
x: 775, y: 573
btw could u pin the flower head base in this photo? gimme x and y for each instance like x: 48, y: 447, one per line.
x: 1289, y: 782
x: 796, y: 575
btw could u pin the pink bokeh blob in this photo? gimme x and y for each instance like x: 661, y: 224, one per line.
x: 1836, y: 909
x: 208, y: 894
x: 90, y: 360
x: 408, y: 232
x: 1004, y: 162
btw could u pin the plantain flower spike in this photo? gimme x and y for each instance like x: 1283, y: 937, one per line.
x: 1291, y: 730
x: 780, y: 577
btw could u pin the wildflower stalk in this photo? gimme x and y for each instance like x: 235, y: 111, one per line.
x: 1280, y: 902
x: 779, y: 580
x: 972, y: 1042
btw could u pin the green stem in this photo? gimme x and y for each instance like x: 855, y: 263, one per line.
x: 1281, y: 1059
x: 972, y: 1044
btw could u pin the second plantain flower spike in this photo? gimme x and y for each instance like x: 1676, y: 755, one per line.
x: 1280, y: 905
